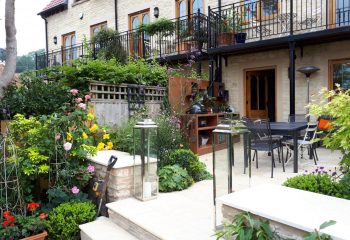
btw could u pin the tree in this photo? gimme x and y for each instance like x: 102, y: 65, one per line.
x: 11, y: 46
x: 27, y: 62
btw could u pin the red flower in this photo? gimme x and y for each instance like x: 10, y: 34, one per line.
x: 7, y: 214
x: 5, y: 223
x: 11, y: 218
x: 32, y: 206
x: 42, y: 216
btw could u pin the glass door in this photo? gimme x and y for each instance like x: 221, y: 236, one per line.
x: 342, y: 12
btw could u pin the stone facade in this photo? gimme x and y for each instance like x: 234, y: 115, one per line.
x: 67, y: 21
x: 317, y: 55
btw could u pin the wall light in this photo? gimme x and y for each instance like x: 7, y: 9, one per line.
x: 55, y: 40
x: 156, y: 12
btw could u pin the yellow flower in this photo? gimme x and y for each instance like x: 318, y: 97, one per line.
x: 69, y: 136
x: 109, y: 145
x: 90, y: 116
x: 84, y: 135
x: 100, y: 146
x: 105, y: 136
x: 93, y: 128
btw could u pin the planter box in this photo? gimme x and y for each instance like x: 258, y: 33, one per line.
x: 40, y: 236
x: 225, y: 39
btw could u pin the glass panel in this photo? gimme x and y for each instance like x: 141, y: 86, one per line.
x: 197, y: 5
x: 269, y: 7
x: 135, y: 22
x: 182, y: 8
x: 253, y: 93
x: 262, y: 93
x: 342, y: 12
x: 67, y: 45
x: 341, y: 75
x: 250, y: 8
x: 74, y: 49
x: 135, y: 35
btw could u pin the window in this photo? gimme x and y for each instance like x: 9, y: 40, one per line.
x: 96, y: 28
x: 268, y: 9
x: 139, y: 44
x: 188, y: 7
x: 69, y: 49
x: 339, y: 73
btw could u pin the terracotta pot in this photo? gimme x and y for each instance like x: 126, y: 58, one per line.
x: 40, y: 236
x: 226, y: 38
x: 183, y: 47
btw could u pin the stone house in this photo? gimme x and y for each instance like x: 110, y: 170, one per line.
x: 261, y: 74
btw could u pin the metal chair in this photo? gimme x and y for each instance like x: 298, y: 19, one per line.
x: 261, y: 140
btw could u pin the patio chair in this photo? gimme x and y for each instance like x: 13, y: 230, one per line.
x: 307, y: 143
x: 261, y: 140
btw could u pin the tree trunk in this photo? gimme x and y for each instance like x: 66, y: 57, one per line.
x: 11, y: 46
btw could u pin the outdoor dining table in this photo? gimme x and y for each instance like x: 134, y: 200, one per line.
x: 289, y: 129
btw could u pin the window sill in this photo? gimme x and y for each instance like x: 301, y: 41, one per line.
x: 79, y: 2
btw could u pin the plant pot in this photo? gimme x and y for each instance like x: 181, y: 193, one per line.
x: 226, y: 38
x: 183, y: 47
x: 240, y: 37
x: 40, y: 236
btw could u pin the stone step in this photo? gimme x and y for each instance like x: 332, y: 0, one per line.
x: 129, y: 224
x: 103, y: 229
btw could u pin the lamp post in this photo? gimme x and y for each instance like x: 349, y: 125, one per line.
x: 308, y: 70
x: 145, y: 137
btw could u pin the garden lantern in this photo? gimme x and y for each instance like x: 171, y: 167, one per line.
x: 223, y: 156
x: 145, y: 137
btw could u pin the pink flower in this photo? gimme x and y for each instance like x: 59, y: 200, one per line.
x: 74, y: 91
x: 75, y: 190
x: 57, y: 136
x: 87, y: 98
x: 82, y: 106
x: 78, y: 100
x: 90, y: 168
x: 67, y: 146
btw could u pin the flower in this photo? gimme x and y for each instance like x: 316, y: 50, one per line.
x: 69, y: 136
x: 82, y: 106
x: 57, y: 136
x: 33, y: 206
x: 42, y: 216
x: 109, y: 145
x: 87, y: 98
x: 90, y: 116
x: 67, y: 146
x: 93, y: 128
x: 78, y: 100
x: 84, y: 135
x: 105, y: 136
x: 75, y: 190
x: 100, y: 146
x: 74, y: 91
x: 7, y: 214
x: 90, y: 168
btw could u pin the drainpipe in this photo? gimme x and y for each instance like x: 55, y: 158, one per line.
x: 46, y: 40
x: 116, y: 14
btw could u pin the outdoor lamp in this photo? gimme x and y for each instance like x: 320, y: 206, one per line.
x: 156, y: 12
x: 55, y: 40
x: 223, y: 157
x: 308, y: 70
x: 145, y: 137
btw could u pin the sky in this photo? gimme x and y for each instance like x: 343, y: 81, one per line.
x: 30, y: 27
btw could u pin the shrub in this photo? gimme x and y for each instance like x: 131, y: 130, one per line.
x: 64, y: 220
x: 189, y: 161
x: 173, y: 178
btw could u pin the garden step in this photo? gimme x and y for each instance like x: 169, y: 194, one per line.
x: 128, y: 224
x: 102, y: 229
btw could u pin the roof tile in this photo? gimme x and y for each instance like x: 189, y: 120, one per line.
x: 52, y: 4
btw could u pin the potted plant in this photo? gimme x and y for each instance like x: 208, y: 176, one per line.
x: 165, y: 27
x: 239, y: 35
x: 226, y: 34
x: 18, y: 227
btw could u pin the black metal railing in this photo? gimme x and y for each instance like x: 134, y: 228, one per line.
x: 189, y: 33
x: 262, y: 19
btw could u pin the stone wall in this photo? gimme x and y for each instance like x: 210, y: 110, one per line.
x: 317, y: 55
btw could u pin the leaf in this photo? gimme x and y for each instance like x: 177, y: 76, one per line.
x: 327, y: 224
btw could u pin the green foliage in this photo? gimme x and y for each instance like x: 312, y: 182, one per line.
x: 189, y: 161
x: 64, y: 220
x: 173, y: 178
x: 35, y: 96
x: 316, y: 235
x: 163, y: 26
x: 244, y: 227
x: 336, y: 105
x: 27, y: 62
x: 108, y: 45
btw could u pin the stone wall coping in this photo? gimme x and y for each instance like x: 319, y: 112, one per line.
x: 296, y: 208
x: 124, y: 158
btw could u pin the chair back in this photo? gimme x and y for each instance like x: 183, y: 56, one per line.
x: 311, y: 131
x: 260, y: 132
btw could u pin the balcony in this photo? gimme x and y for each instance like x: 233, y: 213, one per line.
x: 186, y: 35
x: 276, y: 20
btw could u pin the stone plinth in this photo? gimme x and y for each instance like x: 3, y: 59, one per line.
x: 121, y: 178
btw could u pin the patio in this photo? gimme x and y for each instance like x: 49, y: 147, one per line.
x: 189, y: 214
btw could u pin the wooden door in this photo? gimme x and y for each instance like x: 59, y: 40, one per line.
x: 139, y: 43
x: 256, y: 94
x: 69, y: 52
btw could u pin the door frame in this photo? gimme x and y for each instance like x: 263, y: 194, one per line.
x: 245, y: 70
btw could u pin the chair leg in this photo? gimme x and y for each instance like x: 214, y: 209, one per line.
x: 279, y: 154
x: 272, y: 163
x: 257, y: 159
x: 315, y: 153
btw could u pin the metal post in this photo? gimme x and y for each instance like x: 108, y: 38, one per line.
x: 209, y: 27
x: 211, y: 75
x: 36, y: 61
x: 260, y: 22
x: 198, y: 29
x: 292, y: 77
x: 291, y: 17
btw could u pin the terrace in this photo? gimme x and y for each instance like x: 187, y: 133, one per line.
x: 264, y: 25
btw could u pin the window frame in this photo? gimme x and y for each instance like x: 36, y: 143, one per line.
x: 263, y: 18
x: 189, y: 7
x: 70, y: 49
x: 140, y: 15
x: 330, y: 70
x: 100, y: 26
